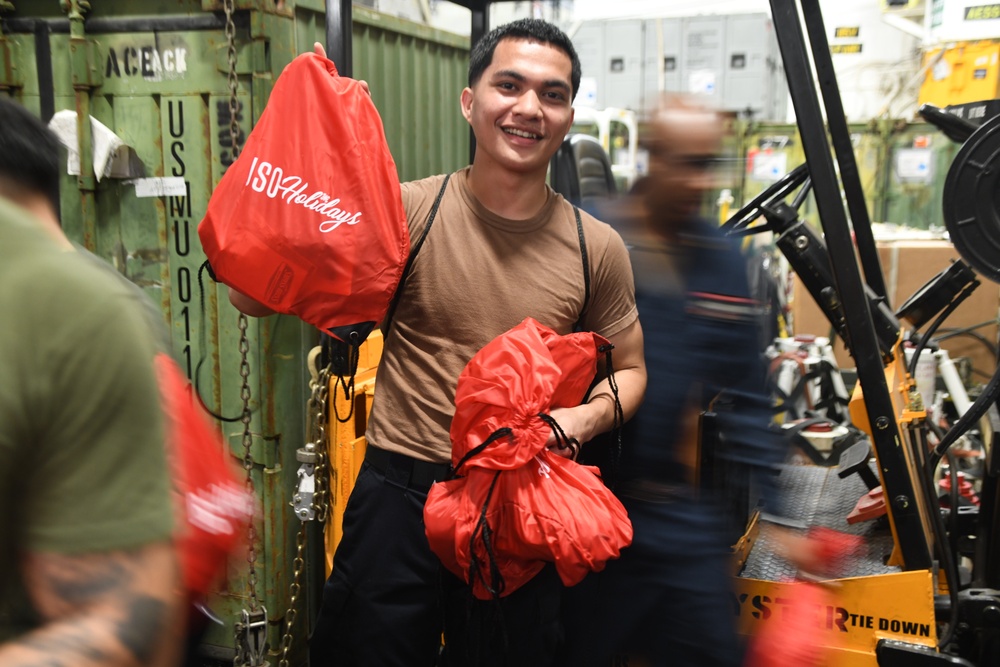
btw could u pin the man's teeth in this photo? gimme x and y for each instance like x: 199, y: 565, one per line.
x: 522, y: 133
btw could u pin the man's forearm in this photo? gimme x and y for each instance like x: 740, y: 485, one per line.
x: 86, y: 641
x: 631, y: 384
x: 119, y: 609
x: 248, y: 306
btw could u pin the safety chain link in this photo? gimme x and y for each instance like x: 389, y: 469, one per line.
x: 251, y: 630
x: 297, y: 566
x: 319, y: 406
x: 248, y: 459
x: 234, y: 133
x: 315, y: 461
x: 234, y: 124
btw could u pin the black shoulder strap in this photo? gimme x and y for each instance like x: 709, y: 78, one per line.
x: 586, y: 270
x: 413, y: 254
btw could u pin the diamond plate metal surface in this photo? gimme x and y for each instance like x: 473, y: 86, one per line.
x: 816, y: 496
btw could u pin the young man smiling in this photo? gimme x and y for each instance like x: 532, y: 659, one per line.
x: 500, y: 246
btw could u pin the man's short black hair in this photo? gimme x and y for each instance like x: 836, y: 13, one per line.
x: 29, y: 154
x: 534, y: 30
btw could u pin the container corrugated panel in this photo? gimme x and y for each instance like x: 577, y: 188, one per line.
x: 157, y: 75
x: 416, y: 75
x: 917, y: 162
x: 902, y: 167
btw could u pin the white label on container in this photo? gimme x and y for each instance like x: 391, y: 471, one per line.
x: 159, y: 187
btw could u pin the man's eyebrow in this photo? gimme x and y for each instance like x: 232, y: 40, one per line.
x: 517, y: 76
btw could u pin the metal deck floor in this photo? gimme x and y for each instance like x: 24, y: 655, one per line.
x: 816, y: 496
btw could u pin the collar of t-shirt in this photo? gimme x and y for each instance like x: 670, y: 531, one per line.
x: 531, y: 224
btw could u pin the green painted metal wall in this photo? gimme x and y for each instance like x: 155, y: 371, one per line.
x: 165, y: 93
x: 916, y: 202
x: 416, y: 75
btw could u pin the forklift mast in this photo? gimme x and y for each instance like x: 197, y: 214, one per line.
x: 902, y: 491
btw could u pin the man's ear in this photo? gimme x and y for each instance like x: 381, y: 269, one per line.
x: 466, y: 101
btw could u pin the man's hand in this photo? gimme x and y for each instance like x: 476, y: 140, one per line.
x: 579, y: 420
x: 248, y: 306
x: 584, y: 422
x: 320, y: 51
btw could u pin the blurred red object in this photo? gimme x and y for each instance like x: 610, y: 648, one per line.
x: 965, y: 488
x: 213, y: 503
x: 794, y: 639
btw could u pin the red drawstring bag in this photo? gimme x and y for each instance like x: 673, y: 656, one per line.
x: 309, y: 220
x: 517, y: 505
x: 213, y: 504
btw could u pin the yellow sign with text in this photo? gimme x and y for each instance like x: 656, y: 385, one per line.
x: 982, y: 13
x: 852, y: 615
x: 845, y: 48
x: 851, y: 31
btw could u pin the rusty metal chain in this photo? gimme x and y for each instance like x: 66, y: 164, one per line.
x: 248, y: 459
x: 251, y: 630
x: 234, y: 103
x: 234, y: 129
x: 319, y: 405
x: 298, y: 565
x: 311, y: 500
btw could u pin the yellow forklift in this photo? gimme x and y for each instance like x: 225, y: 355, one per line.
x: 923, y: 587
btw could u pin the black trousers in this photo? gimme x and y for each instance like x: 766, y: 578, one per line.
x: 388, y: 600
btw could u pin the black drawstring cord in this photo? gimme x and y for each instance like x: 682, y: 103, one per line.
x: 496, y: 435
x: 347, y: 382
x: 496, y: 585
x: 563, y: 441
x: 619, y: 418
x: 205, y: 266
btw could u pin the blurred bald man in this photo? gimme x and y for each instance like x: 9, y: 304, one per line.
x: 668, y: 599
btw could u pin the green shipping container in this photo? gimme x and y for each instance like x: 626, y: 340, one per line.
x: 156, y: 72
x: 902, y: 167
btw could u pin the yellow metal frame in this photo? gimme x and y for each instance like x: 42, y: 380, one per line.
x: 909, y: 411
x: 346, y: 442
x: 860, y: 612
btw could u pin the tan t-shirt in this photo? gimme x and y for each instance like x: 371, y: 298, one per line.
x: 476, y: 276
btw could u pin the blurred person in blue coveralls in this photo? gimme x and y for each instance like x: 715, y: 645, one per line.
x: 668, y: 598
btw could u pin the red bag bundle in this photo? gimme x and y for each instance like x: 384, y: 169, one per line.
x: 309, y: 220
x: 550, y: 510
x: 518, y: 505
x: 213, y: 503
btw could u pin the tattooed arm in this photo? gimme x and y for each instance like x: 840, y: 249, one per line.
x: 118, y: 608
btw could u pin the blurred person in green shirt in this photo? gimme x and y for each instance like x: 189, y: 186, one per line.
x: 88, y: 573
